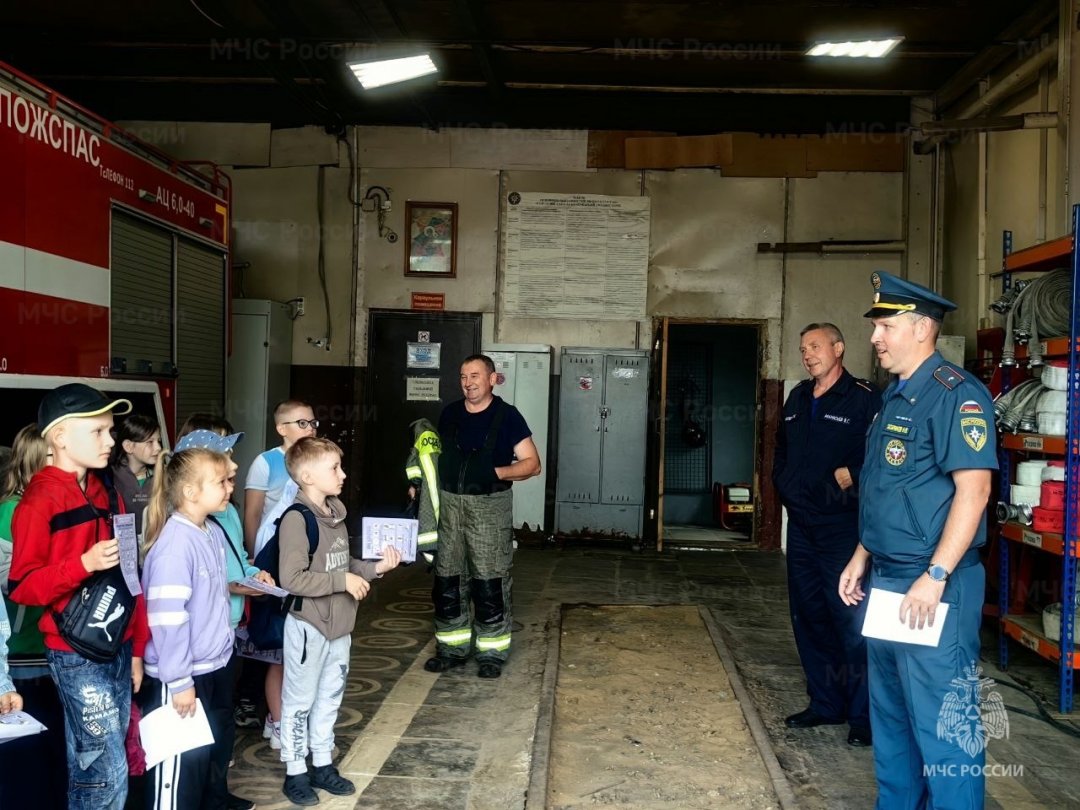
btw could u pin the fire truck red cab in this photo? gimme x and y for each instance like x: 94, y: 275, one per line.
x: 114, y: 259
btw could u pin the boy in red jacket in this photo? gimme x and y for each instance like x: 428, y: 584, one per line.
x: 62, y: 535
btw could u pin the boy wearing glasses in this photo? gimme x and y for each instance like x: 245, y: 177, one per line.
x: 268, y: 491
x: 267, y: 477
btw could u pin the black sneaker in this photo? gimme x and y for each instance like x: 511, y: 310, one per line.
x: 238, y: 803
x: 441, y: 663
x: 326, y: 777
x: 244, y: 715
x: 489, y: 670
x: 297, y: 789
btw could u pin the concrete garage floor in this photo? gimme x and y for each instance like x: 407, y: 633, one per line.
x: 453, y: 742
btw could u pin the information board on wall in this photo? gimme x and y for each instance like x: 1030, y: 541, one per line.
x: 576, y: 255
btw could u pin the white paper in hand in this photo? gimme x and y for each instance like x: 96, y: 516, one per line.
x: 128, y: 541
x: 18, y: 724
x: 883, y: 620
x: 382, y: 532
x: 166, y: 734
x: 262, y: 587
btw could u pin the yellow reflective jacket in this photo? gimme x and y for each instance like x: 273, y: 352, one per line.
x: 422, y: 470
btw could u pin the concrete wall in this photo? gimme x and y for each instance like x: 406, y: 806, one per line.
x: 704, y: 233
x: 836, y: 287
x: 991, y: 188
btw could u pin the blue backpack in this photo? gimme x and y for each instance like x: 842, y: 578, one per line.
x: 266, y: 619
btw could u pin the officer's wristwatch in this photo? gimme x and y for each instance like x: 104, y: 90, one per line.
x: 938, y: 573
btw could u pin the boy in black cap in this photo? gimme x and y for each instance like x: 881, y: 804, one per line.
x: 61, y: 538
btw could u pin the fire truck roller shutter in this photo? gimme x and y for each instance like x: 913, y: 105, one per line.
x: 200, y: 338
x: 140, y: 297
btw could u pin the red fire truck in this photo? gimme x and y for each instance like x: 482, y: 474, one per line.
x: 114, y: 260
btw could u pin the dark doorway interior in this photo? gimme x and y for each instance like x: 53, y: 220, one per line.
x: 712, y: 382
x: 400, y: 384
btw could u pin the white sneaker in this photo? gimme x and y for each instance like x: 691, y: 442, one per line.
x: 268, y: 728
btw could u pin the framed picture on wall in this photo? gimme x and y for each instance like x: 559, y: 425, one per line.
x: 431, y: 249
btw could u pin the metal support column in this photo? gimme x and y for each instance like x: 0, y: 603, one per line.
x: 1004, y: 478
x: 1072, y: 486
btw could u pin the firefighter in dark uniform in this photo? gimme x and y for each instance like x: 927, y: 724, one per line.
x: 486, y: 446
x: 923, y: 494
x: 819, y: 452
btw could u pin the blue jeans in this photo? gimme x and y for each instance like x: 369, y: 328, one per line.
x: 97, y: 708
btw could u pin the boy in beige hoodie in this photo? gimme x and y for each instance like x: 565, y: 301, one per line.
x: 318, y: 629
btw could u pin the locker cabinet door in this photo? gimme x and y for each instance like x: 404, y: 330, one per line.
x: 626, y: 388
x: 580, y: 397
x: 531, y: 387
x: 506, y: 368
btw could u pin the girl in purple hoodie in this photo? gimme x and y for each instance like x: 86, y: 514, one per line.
x: 189, y: 655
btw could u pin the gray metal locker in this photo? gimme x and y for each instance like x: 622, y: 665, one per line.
x: 603, y: 401
x: 524, y: 371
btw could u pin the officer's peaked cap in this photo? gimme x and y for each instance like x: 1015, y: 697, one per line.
x: 893, y: 296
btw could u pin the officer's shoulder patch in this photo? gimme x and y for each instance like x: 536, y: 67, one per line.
x: 948, y: 376
x: 869, y: 386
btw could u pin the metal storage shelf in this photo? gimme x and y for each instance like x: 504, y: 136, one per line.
x: 1023, y: 628
x: 1047, y: 541
x: 1027, y: 629
x: 1054, y: 347
x: 1034, y: 443
x: 1047, y: 256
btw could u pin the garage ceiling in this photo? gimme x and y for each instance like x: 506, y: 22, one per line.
x: 686, y: 67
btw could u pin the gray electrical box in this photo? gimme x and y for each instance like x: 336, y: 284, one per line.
x: 603, y: 412
x: 259, y: 369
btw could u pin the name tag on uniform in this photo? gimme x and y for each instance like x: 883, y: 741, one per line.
x: 883, y: 620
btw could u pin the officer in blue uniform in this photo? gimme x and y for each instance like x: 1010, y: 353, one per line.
x: 923, y: 494
x: 819, y: 453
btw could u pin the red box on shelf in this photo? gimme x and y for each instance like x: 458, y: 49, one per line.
x: 1047, y: 520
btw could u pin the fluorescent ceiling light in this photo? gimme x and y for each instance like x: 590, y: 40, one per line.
x: 390, y: 71
x: 867, y: 49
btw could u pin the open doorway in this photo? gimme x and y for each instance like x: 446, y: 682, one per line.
x: 708, y: 388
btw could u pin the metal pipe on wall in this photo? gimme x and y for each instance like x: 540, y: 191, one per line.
x: 354, y: 286
x: 1019, y: 78
x: 1070, y: 50
x: 1023, y: 75
x: 1044, y: 102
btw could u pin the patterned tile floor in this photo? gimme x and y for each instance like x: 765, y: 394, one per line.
x: 454, y: 742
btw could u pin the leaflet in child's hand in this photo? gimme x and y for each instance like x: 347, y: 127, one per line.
x: 128, y: 540
x: 381, y: 532
x: 166, y: 734
x: 262, y: 587
x: 18, y: 724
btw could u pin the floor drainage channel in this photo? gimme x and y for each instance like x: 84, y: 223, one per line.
x: 642, y: 706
